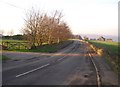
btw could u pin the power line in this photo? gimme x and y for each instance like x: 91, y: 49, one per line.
x: 12, y: 5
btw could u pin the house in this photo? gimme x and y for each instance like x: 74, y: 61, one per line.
x: 77, y: 37
x: 86, y: 38
x: 92, y: 39
x: 109, y: 40
x: 101, y: 38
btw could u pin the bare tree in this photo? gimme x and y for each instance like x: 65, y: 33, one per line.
x: 40, y: 28
x: 31, y: 26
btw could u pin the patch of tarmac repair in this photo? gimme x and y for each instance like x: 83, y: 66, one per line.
x: 81, y: 78
x: 77, y: 80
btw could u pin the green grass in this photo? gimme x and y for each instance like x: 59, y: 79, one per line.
x: 40, y: 49
x: 3, y: 57
x: 111, y: 53
x: 14, y: 44
x: 43, y: 48
x: 111, y: 47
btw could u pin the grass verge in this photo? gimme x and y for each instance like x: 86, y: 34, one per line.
x: 110, y: 53
x: 48, y: 48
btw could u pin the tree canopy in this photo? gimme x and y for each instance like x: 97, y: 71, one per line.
x: 41, y: 28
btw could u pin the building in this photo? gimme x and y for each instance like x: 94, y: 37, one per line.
x: 109, y: 40
x: 92, y: 39
x: 101, y: 38
x: 86, y: 38
x: 77, y: 37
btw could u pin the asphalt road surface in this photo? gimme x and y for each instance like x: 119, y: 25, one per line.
x: 69, y: 66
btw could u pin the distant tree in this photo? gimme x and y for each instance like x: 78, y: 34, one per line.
x: 6, y: 37
x: 17, y: 37
x: 14, y: 37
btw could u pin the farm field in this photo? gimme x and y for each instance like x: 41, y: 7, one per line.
x: 111, y: 47
x: 14, y: 44
x: 23, y: 46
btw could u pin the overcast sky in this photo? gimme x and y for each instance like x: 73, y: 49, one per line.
x: 83, y: 16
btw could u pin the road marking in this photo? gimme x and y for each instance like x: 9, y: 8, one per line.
x: 33, y: 70
x: 38, y: 68
x: 61, y: 58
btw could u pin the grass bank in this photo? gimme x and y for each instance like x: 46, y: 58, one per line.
x: 109, y: 47
x: 110, y: 52
x: 49, y: 48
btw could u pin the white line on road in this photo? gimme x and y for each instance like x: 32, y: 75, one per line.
x: 61, y: 58
x: 33, y: 70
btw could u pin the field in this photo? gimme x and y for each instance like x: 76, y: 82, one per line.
x: 111, y: 52
x: 23, y: 46
x: 111, y: 48
x: 14, y: 44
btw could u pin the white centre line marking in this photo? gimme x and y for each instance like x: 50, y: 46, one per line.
x: 33, y: 70
x: 61, y: 58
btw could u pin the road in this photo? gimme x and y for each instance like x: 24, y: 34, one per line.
x: 69, y: 66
